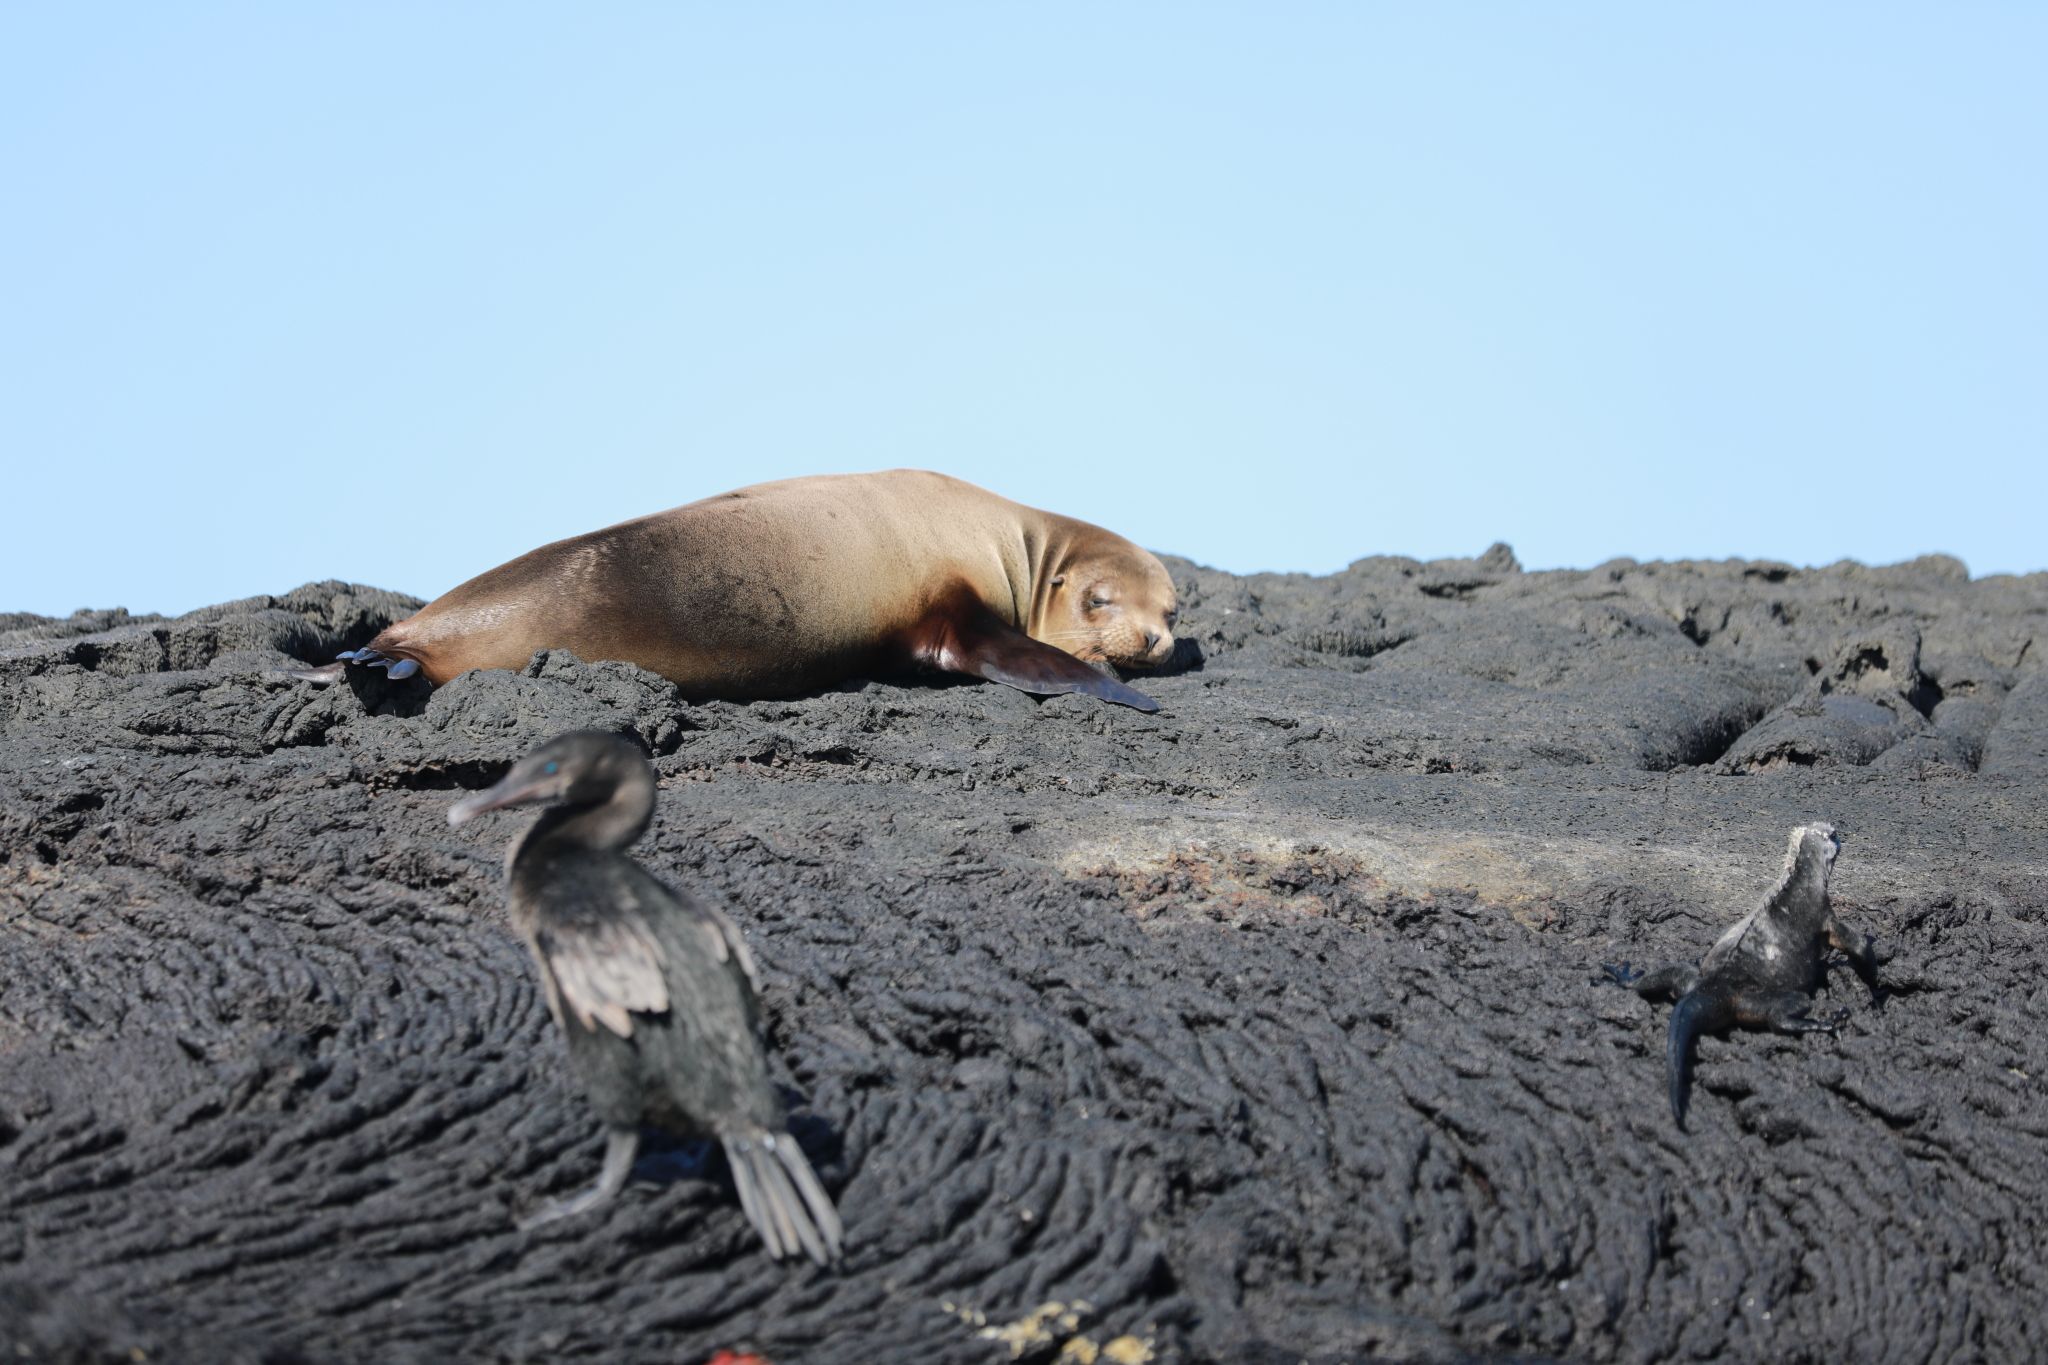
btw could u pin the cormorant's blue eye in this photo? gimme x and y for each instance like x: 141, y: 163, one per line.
x: 552, y: 766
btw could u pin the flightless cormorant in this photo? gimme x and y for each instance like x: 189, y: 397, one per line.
x: 654, y: 990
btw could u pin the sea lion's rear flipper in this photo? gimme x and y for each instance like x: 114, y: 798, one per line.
x: 394, y: 668
x: 322, y: 676
x: 984, y: 646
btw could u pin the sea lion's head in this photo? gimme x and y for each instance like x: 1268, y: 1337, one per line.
x: 1113, y: 602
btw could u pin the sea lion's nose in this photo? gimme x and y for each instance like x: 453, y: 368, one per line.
x: 1151, y: 640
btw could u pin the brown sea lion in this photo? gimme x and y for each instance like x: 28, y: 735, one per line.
x: 785, y: 587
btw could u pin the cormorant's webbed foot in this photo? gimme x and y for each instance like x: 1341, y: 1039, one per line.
x: 621, y: 1145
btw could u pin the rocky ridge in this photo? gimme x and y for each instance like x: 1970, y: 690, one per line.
x: 1258, y: 1029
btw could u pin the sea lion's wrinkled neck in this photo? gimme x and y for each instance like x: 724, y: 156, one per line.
x: 1046, y: 551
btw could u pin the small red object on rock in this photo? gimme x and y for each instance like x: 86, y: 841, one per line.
x: 730, y: 1358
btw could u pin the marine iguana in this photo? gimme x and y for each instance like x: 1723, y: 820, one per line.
x: 1762, y: 972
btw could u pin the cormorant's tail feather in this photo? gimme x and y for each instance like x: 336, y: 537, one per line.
x: 737, y: 1157
x: 824, y: 1216
x: 789, y: 1216
x: 1687, y: 1021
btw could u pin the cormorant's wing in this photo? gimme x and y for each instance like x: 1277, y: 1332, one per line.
x: 709, y: 930
x: 600, y: 955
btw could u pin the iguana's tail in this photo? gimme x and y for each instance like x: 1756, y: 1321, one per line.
x: 1692, y: 1017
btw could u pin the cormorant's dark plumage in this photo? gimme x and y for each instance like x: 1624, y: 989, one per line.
x: 654, y: 991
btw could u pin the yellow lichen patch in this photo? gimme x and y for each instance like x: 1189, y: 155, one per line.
x: 1128, y: 1350
x: 1232, y: 884
x: 1036, y: 1328
x: 1538, y: 914
x: 1201, y: 859
x: 1078, y: 1351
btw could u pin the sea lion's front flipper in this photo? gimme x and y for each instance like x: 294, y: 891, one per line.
x: 985, y: 647
x: 1045, y: 670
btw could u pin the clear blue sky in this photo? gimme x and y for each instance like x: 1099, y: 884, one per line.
x: 392, y: 293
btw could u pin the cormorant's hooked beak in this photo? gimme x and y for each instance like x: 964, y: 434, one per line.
x: 516, y: 790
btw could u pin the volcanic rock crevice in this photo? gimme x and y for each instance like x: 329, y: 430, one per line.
x: 1260, y: 1028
